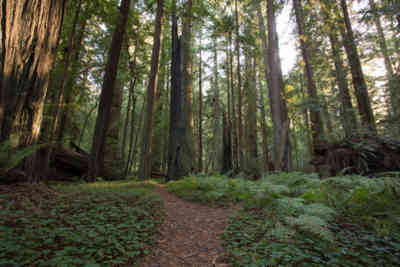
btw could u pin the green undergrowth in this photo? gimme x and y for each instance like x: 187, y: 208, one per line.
x: 296, y: 219
x: 97, y: 224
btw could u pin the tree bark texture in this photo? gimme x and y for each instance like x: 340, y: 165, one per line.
x: 177, y: 164
x: 239, y: 89
x: 261, y: 25
x: 96, y: 162
x: 233, y: 105
x: 393, y: 86
x: 112, y: 149
x: 187, y: 82
x: 30, y: 31
x: 200, y: 152
x: 360, y: 86
x: 316, y: 121
x: 217, y: 120
x: 145, y: 165
x: 278, y: 108
x: 252, y: 163
x: 347, y: 114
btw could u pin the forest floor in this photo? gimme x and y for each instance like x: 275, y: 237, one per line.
x: 190, y: 234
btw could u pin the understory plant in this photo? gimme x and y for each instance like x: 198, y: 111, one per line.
x: 98, y: 224
x: 293, y: 219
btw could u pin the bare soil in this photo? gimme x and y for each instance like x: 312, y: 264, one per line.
x: 190, y: 234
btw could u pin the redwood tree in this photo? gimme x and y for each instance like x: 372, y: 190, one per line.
x: 360, y: 86
x: 96, y: 161
x: 145, y: 164
x: 278, y: 107
x: 30, y: 32
x: 316, y: 121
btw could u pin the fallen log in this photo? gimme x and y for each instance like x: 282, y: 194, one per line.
x: 69, y: 163
x: 365, y: 155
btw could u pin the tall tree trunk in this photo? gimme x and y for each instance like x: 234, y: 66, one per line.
x: 360, y: 86
x: 127, y: 113
x: 392, y: 85
x: 234, y: 121
x: 187, y: 84
x: 112, y: 148
x: 267, y: 76
x: 278, y: 108
x: 96, y: 162
x: 160, y: 123
x: 239, y: 87
x: 316, y: 121
x: 176, y: 166
x: 217, y: 127
x: 30, y: 32
x: 227, y: 128
x: 252, y: 167
x: 145, y: 164
x: 132, y: 161
x: 264, y: 133
x: 200, y: 152
x: 347, y: 114
x: 132, y: 70
x: 226, y: 141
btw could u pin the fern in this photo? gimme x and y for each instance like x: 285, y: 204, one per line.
x: 11, y: 157
x: 312, y: 224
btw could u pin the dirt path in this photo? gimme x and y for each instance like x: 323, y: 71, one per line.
x: 189, y: 235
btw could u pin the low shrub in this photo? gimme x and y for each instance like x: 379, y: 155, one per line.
x: 98, y: 224
x: 299, y: 219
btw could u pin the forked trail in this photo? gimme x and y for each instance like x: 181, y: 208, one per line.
x: 190, y: 234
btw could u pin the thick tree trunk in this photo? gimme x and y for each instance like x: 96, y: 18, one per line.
x: 348, y: 116
x: 227, y: 128
x: 178, y: 166
x: 227, y: 145
x: 233, y: 105
x: 363, y: 101
x: 30, y: 32
x: 200, y: 152
x: 278, y: 108
x: 127, y: 116
x: 252, y: 163
x: 267, y: 77
x: 264, y: 133
x: 112, y: 149
x: 187, y: 84
x: 217, y: 127
x: 316, y: 121
x: 132, y: 70
x: 239, y: 87
x: 393, y: 86
x: 145, y: 165
x: 96, y: 163
x: 160, y: 124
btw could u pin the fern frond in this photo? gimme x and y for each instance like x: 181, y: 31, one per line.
x: 312, y: 224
